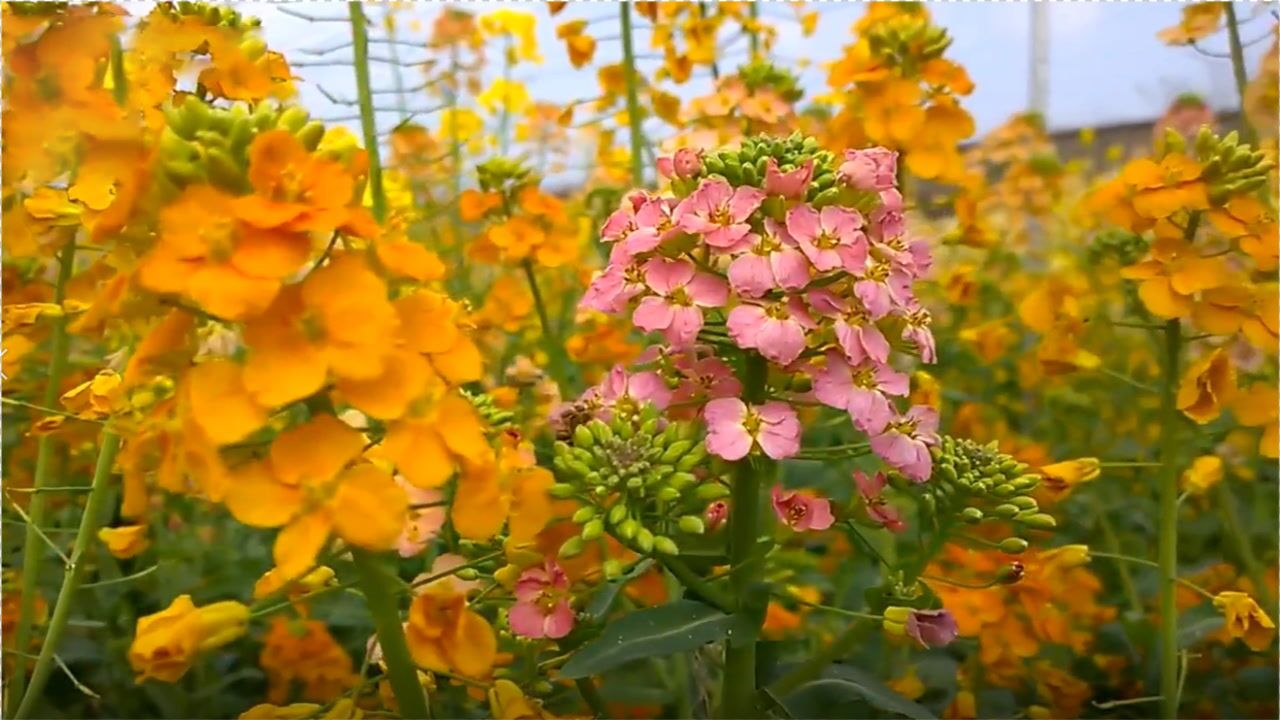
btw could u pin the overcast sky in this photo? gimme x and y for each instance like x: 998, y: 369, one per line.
x: 1106, y: 64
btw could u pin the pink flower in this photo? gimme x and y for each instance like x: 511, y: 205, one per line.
x: 772, y: 262
x: 715, y: 515
x: 422, y: 524
x: 542, y: 603
x: 904, y: 442
x: 871, y: 488
x: 612, y: 289
x: 653, y: 225
x: 686, y: 162
x: 703, y: 379
x: 676, y: 310
x: 734, y: 428
x: 917, y: 331
x: 855, y: 330
x: 719, y: 212
x: 791, y: 184
x: 860, y: 390
x: 801, y: 510
x: 776, y: 330
x: 869, y: 169
x: 621, y: 386
x: 932, y: 628
x: 887, y: 220
x: 622, y: 221
x: 830, y: 239
x: 912, y: 256
x: 882, y: 287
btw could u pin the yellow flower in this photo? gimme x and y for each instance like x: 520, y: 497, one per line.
x: 519, y: 25
x: 505, y: 95
x: 1256, y: 406
x: 1204, y: 473
x: 305, y: 487
x: 508, y: 702
x: 1206, y: 385
x: 96, y: 398
x: 1061, y: 477
x: 1067, y: 556
x: 445, y: 635
x: 292, y: 711
x: 125, y: 542
x: 1199, y: 21
x: 1245, y: 620
x: 166, y: 642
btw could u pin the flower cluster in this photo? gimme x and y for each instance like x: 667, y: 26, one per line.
x: 795, y: 256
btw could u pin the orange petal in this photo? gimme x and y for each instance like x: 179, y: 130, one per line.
x: 472, y: 647
x: 315, y: 452
x: 419, y: 454
x: 255, y: 497
x: 300, y: 542
x: 226, y: 293
x: 404, y: 377
x: 369, y: 509
x: 220, y: 404
x: 1161, y: 300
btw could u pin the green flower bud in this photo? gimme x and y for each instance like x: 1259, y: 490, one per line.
x: 711, y: 492
x: 602, y: 432
x: 644, y: 540
x: 1024, y: 503
x: 693, y: 458
x: 612, y: 569
x: 667, y: 494
x: 1005, y: 511
x: 1039, y: 521
x: 1013, y: 545
x: 681, y: 480
x: 571, y: 547
x: 617, y: 513
x: 665, y: 545
x: 310, y: 135
x: 691, y: 524
x: 561, y: 491
x: 971, y: 515
x: 584, y: 513
x: 676, y: 450
x: 583, y: 438
x: 593, y: 529
x: 627, y: 528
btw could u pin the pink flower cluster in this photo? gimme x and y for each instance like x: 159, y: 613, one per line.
x: 814, y: 288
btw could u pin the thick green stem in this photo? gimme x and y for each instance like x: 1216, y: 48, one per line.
x: 753, y: 35
x: 1226, y: 502
x: 633, y: 99
x: 1247, y: 133
x: 74, y: 574
x: 381, y: 588
x: 1168, y: 521
x: 739, y: 689
x: 32, y: 551
x: 368, y: 121
x: 810, y: 669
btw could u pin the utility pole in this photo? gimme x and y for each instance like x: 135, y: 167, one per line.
x: 1038, y: 77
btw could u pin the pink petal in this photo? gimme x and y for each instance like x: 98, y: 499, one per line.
x: 781, y: 341
x: 686, y: 322
x: 526, y: 620
x: 751, y: 275
x: 560, y: 622
x: 663, y: 275
x: 744, y: 324
x: 819, y: 516
x: 746, y: 200
x: 790, y: 269
x: 729, y: 442
x: 653, y: 313
x: 724, y: 412
x: 708, y: 290
x: 803, y: 222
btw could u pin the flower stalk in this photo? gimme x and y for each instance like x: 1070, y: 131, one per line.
x: 1168, y: 521
x: 376, y: 581
x: 32, y: 555
x: 738, y: 693
x: 633, y: 101
x: 1247, y: 134
x: 74, y: 575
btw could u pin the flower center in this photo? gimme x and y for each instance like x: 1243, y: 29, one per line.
x: 878, y: 272
x: 679, y: 296
x: 826, y: 240
x: 777, y: 311
x: 768, y: 245
x: 864, y: 378
x: 857, y: 315
x: 721, y: 216
x: 797, y: 512
x: 752, y: 422
x: 906, y: 427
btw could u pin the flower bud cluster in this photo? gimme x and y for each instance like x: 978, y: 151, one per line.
x: 211, y: 14
x: 202, y: 143
x: 1229, y: 167
x: 975, y: 483
x: 635, y: 477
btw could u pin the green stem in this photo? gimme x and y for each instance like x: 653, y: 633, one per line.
x: 591, y: 694
x: 368, y: 121
x: 690, y: 579
x: 550, y: 343
x: 74, y: 574
x: 1244, y: 549
x: 633, y: 99
x: 1126, y: 578
x: 1139, y: 561
x: 32, y: 555
x: 380, y: 588
x: 813, y: 667
x: 504, y: 126
x: 739, y: 689
x: 1167, y: 546
x: 753, y: 37
x: 1247, y: 133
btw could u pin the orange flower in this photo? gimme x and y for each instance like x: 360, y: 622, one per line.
x: 296, y: 190
x: 337, y: 321
x: 445, y: 635
x: 1160, y: 190
x: 430, y: 446
x: 1257, y: 407
x: 473, y: 205
x: 306, y: 487
x: 1245, y: 620
x: 1199, y: 21
x: 229, y: 268
x: 1206, y: 386
x: 1172, y: 277
x: 432, y: 324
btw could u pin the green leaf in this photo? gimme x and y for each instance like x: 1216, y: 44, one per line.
x: 855, y: 681
x: 600, y: 603
x: 827, y: 699
x: 652, y: 632
x: 1193, y: 633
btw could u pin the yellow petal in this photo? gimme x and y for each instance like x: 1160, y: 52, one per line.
x: 369, y: 509
x: 300, y: 542
x: 255, y: 497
